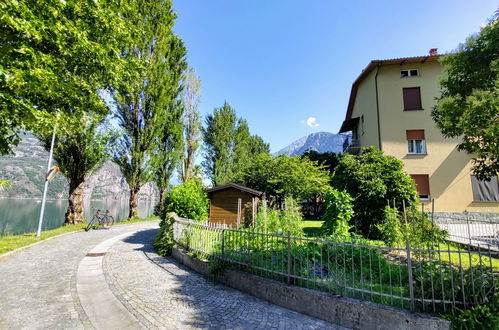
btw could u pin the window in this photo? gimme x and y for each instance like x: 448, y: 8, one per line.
x: 422, y: 185
x: 409, y: 73
x: 485, y: 191
x: 415, y: 141
x: 412, y: 98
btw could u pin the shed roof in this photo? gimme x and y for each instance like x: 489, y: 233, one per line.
x: 235, y: 186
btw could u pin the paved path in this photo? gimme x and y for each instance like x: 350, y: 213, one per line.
x: 47, y: 287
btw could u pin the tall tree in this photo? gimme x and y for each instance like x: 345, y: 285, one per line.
x: 191, y: 95
x: 56, y: 56
x: 469, y: 105
x: 219, y: 135
x: 81, y: 147
x: 144, y: 98
x: 229, y: 146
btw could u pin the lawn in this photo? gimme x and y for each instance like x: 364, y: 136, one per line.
x: 311, y: 227
x: 12, y: 242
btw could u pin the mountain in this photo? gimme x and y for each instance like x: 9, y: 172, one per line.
x: 321, y: 142
x: 26, y: 171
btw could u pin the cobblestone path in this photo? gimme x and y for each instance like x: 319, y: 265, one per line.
x: 38, y: 288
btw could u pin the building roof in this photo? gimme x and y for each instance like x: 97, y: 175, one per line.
x: 235, y: 186
x: 377, y: 63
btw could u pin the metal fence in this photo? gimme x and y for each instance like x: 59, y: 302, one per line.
x: 433, y: 279
x: 471, y: 230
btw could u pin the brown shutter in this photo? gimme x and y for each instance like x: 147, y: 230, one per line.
x: 412, y: 98
x: 415, y: 134
x: 422, y: 183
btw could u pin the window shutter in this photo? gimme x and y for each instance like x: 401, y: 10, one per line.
x: 412, y: 98
x: 415, y: 134
x: 422, y: 183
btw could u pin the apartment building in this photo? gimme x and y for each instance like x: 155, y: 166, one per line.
x: 390, y: 108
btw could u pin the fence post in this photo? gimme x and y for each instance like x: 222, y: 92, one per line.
x: 223, y: 244
x: 409, y: 273
x: 289, y: 257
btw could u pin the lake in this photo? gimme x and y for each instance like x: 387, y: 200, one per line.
x: 19, y: 216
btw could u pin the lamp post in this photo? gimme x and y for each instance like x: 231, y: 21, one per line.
x: 46, y: 185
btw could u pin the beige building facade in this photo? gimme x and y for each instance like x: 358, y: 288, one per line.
x: 390, y: 108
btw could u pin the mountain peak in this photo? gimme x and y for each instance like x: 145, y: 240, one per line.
x: 319, y: 141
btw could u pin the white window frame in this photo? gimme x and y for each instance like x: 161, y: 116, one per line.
x: 409, y: 73
x: 412, y: 143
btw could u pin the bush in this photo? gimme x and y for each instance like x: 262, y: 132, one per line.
x: 337, y: 215
x: 280, y: 221
x: 163, y: 243
x: 188, y: 201
x: 372, y: 179
x: 389, y: 228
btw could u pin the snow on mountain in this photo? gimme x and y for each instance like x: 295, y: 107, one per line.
x: 321, y: 142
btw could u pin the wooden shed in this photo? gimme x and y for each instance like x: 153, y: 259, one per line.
x: 232, y: 204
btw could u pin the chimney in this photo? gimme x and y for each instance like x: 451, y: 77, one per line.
x: 433, y: 52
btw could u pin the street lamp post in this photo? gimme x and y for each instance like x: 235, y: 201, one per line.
x: 46, y: 185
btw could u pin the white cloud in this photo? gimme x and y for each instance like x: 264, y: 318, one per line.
x: 310, y: 122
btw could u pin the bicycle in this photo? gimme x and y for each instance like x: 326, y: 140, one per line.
x: 105, y: 221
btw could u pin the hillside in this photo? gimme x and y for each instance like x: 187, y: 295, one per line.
x: 321, y: 142
x: 25, y: 170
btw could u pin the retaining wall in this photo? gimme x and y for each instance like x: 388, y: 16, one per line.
x: 339, y: 310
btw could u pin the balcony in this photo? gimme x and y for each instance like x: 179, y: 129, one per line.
x: 351, y: 146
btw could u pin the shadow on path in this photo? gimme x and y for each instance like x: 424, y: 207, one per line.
x: 188, y: 299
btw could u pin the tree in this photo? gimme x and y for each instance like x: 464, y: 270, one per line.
x: 229, y: 145
x: 145, y: 95
x: 56, y: 56
x: 327, y: 160
x: 282, y: 176
x: 373, y: 180
x: 219, y: 136
x: 191, y: 95
x: 81, y: 147
x: 469, y: 104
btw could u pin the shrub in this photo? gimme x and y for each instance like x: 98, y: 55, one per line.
x: 163, y: 243
x: 188, y: 201
x: 280, y: 221
x: 389, y: 228
x: 337, y: 215
x: 371, y: 179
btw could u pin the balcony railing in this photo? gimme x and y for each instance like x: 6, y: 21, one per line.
x: 351, y: 145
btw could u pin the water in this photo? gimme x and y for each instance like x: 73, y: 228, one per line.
x: 19, y: 216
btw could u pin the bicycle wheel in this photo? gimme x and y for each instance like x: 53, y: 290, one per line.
x: 105, y: 222
x: 90, y: 224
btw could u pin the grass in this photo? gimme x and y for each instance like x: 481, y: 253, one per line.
x: 311, y: 227
x: 12, y: 242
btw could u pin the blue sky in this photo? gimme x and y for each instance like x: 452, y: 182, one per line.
x: 278, y: 63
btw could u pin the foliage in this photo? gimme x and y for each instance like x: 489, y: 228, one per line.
x: 163, y: 242
x: 282, y: 221
x: 469, y: 105
x: 146, y: 97
x: 56, y: 56
x: 4, y: 184
x: 283, y: 176
x: 229, y: 145
x: 337, y: 215
x: 191, y: 95
x: 327, y: 160
x: 188, y: 201
x: 390, y: 227
x: 216, y: 268
x: 81, y: 147
x: 372, y: 179
x: 477, y: 317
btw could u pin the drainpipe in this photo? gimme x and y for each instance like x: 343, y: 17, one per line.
x: 377, y: 105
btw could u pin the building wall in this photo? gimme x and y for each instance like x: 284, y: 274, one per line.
x: 224, y: 204
x: 365, y: 106
x: 448, y: 169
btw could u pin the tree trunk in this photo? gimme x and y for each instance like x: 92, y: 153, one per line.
x: 133, y: 203
x: 161, y: 203
x: 74, y: 213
